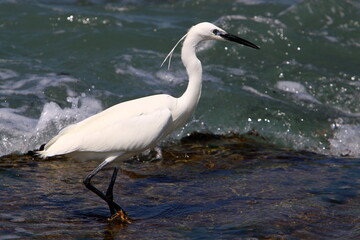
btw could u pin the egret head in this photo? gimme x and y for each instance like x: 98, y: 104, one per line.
x: 208, y: 31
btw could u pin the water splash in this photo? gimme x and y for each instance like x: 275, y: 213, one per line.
x: 21, y: 134
x: 346, y: 140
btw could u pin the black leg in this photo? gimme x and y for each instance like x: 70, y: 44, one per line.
x: 108, y: 198
x: 109, y: 191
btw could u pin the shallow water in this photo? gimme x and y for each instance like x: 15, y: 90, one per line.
x: 206, y: 187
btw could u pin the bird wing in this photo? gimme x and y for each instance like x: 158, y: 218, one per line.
x: 130, y: 135
x: 110, y: 133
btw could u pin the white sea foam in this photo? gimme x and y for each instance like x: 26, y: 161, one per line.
x: 35, y: 84
x: 297, y: 89
x: 21, y: 134
x: 256, y: 92
x: 346, y: 141
x: 7, y: 74
x: 175, y: 77
x: 13, y: 130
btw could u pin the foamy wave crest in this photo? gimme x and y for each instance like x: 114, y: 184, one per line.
x: 298, y: 90
x: 21, y: 134
x: 346, y: 141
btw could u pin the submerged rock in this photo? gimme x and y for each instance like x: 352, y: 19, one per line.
x: 203, y: 185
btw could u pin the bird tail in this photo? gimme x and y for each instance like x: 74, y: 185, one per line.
x: 38, y: 152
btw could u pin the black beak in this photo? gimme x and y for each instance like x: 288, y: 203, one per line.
x: 236, y: 39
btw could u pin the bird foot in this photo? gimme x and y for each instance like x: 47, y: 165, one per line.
x: 120, y: 217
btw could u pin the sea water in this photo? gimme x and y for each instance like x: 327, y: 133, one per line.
x: 62, y: 61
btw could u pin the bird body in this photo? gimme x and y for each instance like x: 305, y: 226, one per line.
x: 128, y: 127
x: 131, y: 127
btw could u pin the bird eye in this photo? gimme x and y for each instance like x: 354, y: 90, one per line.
x: 216, y: 32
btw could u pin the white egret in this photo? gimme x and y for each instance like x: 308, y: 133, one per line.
x: 129, y: 128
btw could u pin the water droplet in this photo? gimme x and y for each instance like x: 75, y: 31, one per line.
x: 70, y: 18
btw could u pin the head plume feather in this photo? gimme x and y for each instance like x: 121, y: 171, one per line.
x: 169, y: 56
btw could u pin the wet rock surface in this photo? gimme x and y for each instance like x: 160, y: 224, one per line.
x: 204, y: 187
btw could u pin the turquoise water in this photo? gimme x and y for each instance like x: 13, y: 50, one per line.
x: 61, y: 61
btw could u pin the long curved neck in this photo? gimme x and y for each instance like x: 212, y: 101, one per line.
x: 194, y: 70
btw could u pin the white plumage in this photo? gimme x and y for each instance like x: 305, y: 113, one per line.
x: 117, y: 130
x: 131, y: 127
